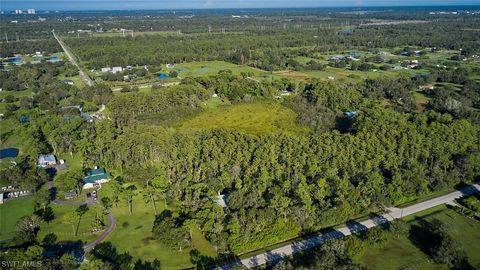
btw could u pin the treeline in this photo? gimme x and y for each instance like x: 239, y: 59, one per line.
x: 270, y: 50
x: 46, y: 45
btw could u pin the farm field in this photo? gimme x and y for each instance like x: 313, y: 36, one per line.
x: 402, y: 253
x: 255, y: 118
x: 11, y: 212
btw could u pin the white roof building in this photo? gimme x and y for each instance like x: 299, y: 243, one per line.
x: 221, y: 200
x: 46, y: 160
x: 117, y: 69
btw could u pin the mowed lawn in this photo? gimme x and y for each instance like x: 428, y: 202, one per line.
x: 11, y: 212
x: 133, y: 234
x: 255, y: 118
x: 64, y: 231
x: 402, y: 253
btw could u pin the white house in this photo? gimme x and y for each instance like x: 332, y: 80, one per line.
x: 117, y: 69
x: 106, y: 69
x: 47, y: 160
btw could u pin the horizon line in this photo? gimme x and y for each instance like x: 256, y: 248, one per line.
x: 242, y: 8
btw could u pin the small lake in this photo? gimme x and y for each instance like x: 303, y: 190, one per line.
x: 8, y: 153
x: 162, y: 76
x: 15, y: 60
x: 53, y: 59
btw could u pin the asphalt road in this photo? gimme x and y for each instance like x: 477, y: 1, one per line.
x: 84, y: 75
x: 350, y: 228
x: 112, y: 223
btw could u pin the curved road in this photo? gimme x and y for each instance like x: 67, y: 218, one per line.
x: 351, y: 228
x: 112, y: 223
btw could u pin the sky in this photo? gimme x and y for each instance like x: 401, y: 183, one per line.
x: 205, y: 4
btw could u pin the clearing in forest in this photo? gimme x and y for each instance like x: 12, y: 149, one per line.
x: 256, y: 118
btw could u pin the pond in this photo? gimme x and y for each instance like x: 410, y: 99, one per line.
x: 15, y: 60
x: 8, y: 153
x: 53, y: 59
x: 162, y: 76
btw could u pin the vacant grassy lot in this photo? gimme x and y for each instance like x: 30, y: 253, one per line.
x: 255, y: 118
x: 11, y: 212
x: 402, y: 253
x: 212, y: 68
x: 422, y: 100
x: 133, y: 234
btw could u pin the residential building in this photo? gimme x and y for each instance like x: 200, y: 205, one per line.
x: 47, y: 160
x: 95, y: 177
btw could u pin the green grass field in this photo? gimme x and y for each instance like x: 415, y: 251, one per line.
x: 133, y: 234
x: 11, y: 212
x: 207, y: 68
x: 403, y: 254
x: 64, y: 230
x: 255, y: 118
x: 344, y: 74
x: 422, y: 100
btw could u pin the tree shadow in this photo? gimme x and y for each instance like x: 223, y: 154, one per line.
x: 423, y: 236
x: 107, y: 252
x: 201, y: 261
x: 75, y: 248
x: 379, y: 220
x: 343, y: 123
x: 466, y: 189
x: 356, y: 227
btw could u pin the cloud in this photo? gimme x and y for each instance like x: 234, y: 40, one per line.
x: 209, y: 3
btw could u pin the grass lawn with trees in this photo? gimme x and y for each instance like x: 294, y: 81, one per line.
x: 133, y: 234
x: 255, y: 118
x: 67, y: 225
x: 402, y: 253
x: 11, y: 212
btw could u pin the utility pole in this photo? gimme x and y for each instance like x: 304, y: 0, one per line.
x: 16, y: 34
x: 6, y: 37
x: 209, y: 29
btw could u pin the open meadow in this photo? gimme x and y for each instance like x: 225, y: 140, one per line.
x: 256, y: 118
